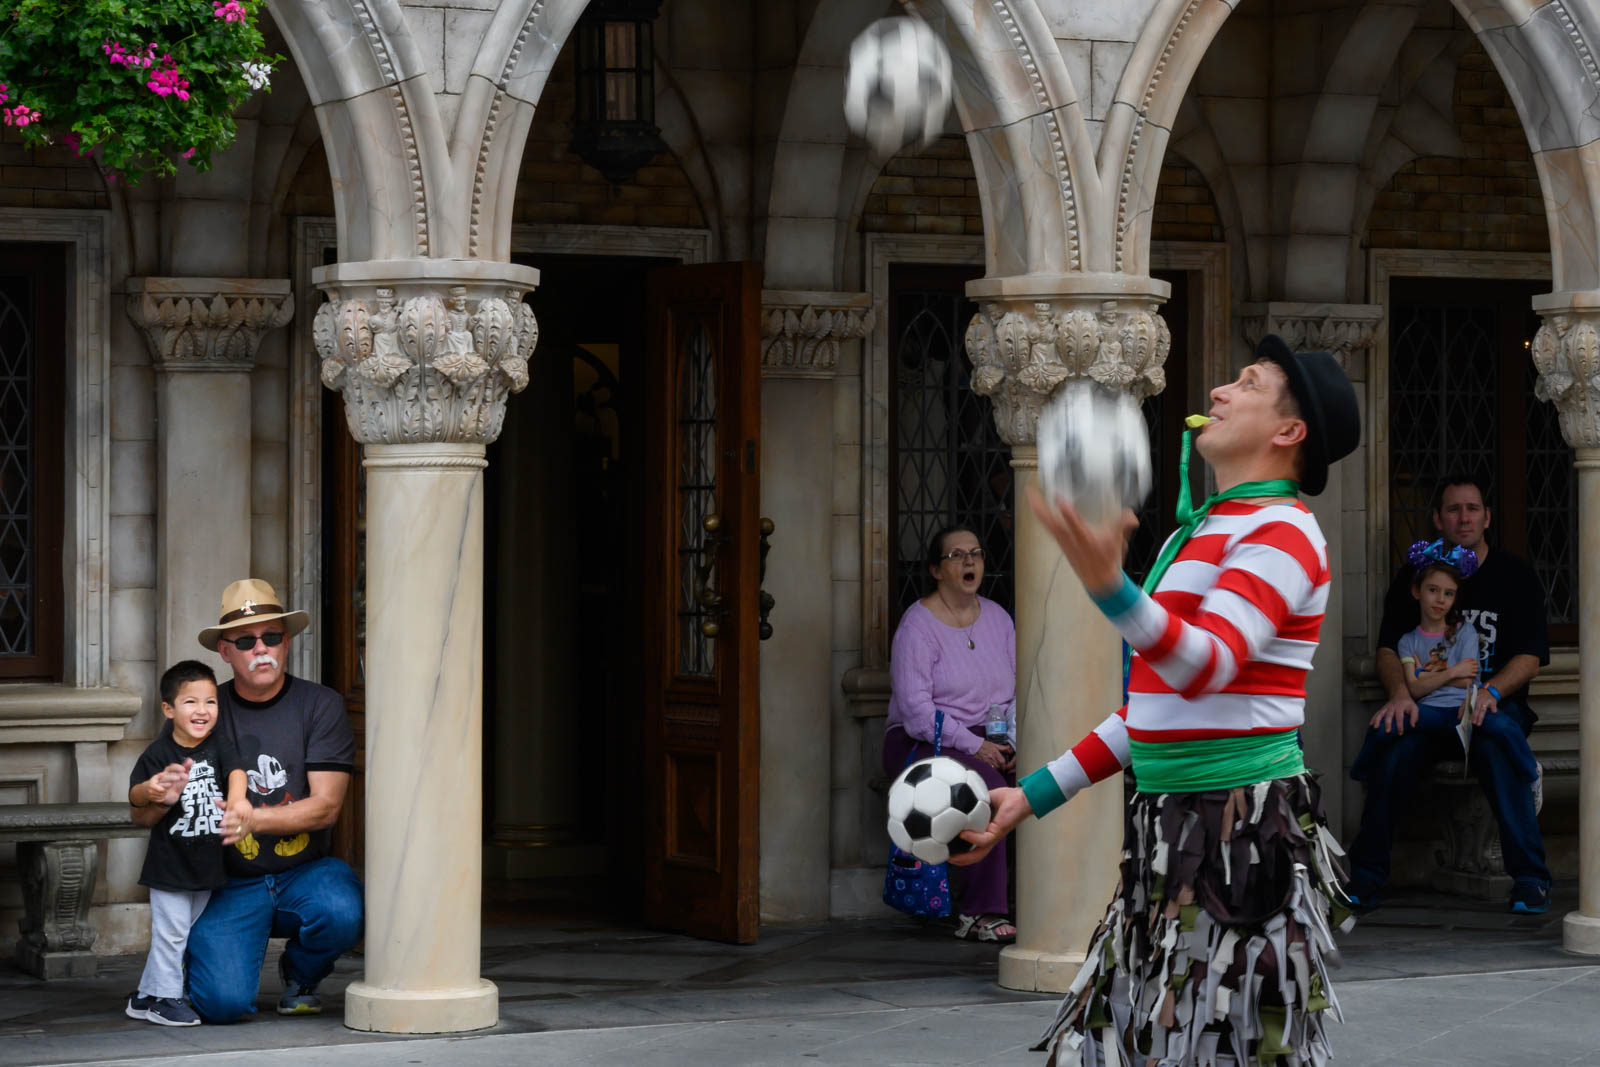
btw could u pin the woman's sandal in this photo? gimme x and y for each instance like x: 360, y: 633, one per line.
x: 993, y: 928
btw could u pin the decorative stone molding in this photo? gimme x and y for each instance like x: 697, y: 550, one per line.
x: 207, y: 324
x: 1342, y: 329
x: 801, y: 331
x: 1025, y: 345
x: 425, y: 351
x: 1566, y: 351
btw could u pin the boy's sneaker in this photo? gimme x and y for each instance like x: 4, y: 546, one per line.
x: 298, y: 998
x: 1538, y: 788
x: 1530, y: 900
x: 163, y: 1011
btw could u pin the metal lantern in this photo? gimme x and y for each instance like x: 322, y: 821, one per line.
x: 614, y: 127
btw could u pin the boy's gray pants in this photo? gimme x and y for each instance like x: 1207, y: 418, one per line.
x: 171, y: 915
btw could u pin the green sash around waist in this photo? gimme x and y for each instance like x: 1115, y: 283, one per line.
x: 1216, y: 763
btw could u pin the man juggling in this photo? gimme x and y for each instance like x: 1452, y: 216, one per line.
x: 1214, y: 949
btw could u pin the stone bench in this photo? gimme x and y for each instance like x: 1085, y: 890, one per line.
x: 58, y: 861
x: 1470, y: 862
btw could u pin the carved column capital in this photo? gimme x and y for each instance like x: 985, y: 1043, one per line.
x: 1025, y: 344
x: 207, y: 324
x: 801, y: 330
x: 1346, y: 330
x: 1566, y: 351
x: 425, y: 351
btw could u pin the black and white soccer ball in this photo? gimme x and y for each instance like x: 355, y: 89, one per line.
x: 1094, y: 451
x: 897, y: 85
x: 931, y: 802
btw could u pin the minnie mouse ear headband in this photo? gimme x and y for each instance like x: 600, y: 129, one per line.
x: 1458, y: 557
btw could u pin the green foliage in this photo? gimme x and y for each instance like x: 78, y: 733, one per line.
x: 135, y: 85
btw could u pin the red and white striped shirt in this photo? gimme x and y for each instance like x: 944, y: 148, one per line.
x: 1223, y: 646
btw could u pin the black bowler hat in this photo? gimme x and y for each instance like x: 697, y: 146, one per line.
x: 1327, y: 403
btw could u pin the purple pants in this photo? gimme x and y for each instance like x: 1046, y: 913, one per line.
x: 984, y: 885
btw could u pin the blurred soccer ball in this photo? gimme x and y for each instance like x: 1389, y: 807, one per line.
x: 897, y: 85
x: 931, y: 802
x: 1094, y: 451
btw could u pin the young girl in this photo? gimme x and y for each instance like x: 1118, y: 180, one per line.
x: 1440, y: 656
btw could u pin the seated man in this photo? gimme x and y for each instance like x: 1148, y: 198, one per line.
x: 1503, y: 601
x: 293, y: 739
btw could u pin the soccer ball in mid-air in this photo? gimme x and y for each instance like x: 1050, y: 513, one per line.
x: 1094, y: 451
x: 931, y: 802
x: 897, y: 85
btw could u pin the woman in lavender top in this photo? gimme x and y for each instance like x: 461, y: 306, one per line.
x: 956, y: 652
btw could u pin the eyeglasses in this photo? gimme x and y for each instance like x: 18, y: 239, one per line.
x: 962, y: 556
x: 272, y: 639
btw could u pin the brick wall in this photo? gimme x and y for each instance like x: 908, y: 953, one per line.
x: 1185, y: 209
x: 554, y: 185
x: 925, y: 190
x: 1488, y: 199
x: 932, y: 190
x: 52, y: 176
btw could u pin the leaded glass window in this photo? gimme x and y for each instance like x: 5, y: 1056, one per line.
x: 697, y: 498
x: 32, y: 279
x: 949, y: 463
x: 1461, y: 399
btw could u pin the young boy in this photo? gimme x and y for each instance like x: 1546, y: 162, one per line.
x: 182, y: 770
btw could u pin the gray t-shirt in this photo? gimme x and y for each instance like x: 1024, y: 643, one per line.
x: 303, y: 728
x: 1423, y: 653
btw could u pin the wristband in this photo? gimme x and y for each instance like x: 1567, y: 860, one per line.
x: 1492, y: 691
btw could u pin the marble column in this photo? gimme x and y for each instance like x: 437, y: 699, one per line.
x: 1347, y: 331
x: 805, y: 337
x: 1566, y: 351
x: 1032, y: 334
x: 425, y: 352
x: 203, y: 335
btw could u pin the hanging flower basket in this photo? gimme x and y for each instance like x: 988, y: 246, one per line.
x: 136, y: 85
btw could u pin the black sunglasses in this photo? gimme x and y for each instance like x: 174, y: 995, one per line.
x: 272, y: 639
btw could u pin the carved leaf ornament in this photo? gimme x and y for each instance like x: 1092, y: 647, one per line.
x: 220, y: 331
x: 1566, y: 352
x: 426, y: 369
x: 808, y: 338
x: 1022, y: 353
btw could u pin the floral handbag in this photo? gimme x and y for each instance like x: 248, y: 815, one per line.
x: 910, y: 885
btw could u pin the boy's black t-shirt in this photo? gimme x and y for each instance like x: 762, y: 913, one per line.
x: 1504, y: 601
x: 185, y: 853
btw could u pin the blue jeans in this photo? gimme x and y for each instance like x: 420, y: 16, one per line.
x: 317, y: 906
x: 1501, y: 760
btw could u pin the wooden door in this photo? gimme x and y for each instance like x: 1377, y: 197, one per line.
x: 344, y: 611
x: 701, y: 600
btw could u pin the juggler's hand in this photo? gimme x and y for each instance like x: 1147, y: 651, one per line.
x: 1095, y: 552
x: 1008, y: 806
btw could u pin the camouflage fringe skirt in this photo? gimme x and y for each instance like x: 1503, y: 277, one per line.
x: 1215, y: 951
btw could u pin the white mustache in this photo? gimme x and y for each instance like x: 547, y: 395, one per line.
x: 263, y: 661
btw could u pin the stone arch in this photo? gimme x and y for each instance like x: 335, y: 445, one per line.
x: 367, y: 78
x: 1542, y: 55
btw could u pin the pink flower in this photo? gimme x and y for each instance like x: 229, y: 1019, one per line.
x: 21, y: 115
x: 188, y: 153
x: 168, y: 82
x: 231, y: 11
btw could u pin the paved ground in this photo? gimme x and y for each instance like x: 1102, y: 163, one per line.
x: 1424, y: 982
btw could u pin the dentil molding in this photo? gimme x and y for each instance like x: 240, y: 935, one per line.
x: 801, y: 330
x: 425, y: 351
x: 1566, y: 352
x: 1023, y: 350
x: 207, y: 324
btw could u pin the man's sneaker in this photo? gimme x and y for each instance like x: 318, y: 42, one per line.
x: 1363, y: 899
x: 163, y: 1011
x: 1530, y: 900
x: 298, y: 998
x: 1538, y: 789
